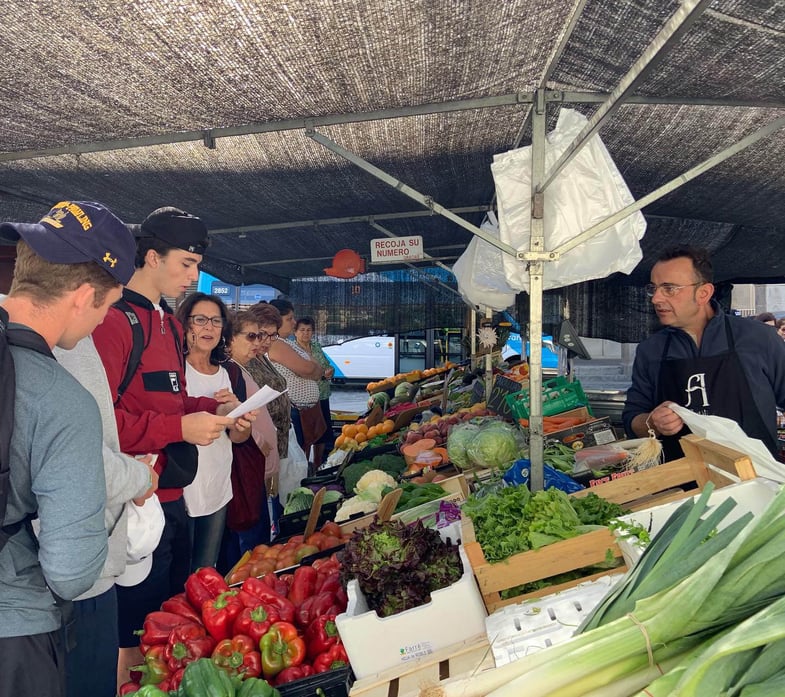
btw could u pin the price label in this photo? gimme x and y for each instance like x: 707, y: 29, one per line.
x: 501, y: 388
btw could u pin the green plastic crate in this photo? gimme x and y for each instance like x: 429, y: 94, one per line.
x: 558, y: 395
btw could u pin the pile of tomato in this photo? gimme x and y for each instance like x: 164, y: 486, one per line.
x: 264, y: 559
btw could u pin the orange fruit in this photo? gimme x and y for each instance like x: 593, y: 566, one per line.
x: 362, y: 428
x: 361, y: 438
x: 350, y: 430
x: 388, y: 425
x: 339, y: 441
x: 373, y: 431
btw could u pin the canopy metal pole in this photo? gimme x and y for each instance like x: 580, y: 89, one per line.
x: 537, y: 244
x: 673, y: 184
x: 685, y: 16
x: 408, y: 191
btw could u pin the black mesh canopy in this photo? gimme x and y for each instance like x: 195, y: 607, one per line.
x: 210, y: 105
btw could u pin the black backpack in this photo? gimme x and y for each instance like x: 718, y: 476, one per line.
x: 26, y: 338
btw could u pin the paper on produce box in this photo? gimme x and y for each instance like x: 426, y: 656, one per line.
x: 256, y: 401
x: 728, y: 433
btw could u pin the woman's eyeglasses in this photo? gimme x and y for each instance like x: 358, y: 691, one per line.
x: 202, y: 320
x: 260, y: 336
x: 668, y: 289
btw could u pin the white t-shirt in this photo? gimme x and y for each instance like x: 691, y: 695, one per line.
x: 211, y: 489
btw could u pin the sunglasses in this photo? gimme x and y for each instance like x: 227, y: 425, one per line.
x: 260, y: 336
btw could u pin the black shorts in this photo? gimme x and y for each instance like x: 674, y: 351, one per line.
x: 32, y: 665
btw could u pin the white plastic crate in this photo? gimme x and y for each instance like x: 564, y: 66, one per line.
x: 374, y: 643
x: 514, y: 631
x: 751, y: 496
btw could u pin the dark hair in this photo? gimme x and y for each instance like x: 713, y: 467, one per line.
x: 780, y: 322
x: 145, y: 244
x: 239, y: 319
x: 183, y: 313
x: 283, y: 306
x: 699, y: 256
x: 266, y: 313
x: 766, y: 317
x: 305, y: 322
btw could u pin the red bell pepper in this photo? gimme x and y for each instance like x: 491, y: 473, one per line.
x: 220, y: 613
x: 204, y: 584
x: 238, y: 656
x: 316, y: 606
x: 321, y: 635
x: 128, y: 688
x: 328, y: 583
x: 179, y: 605
x: 303, y: 584
x: 187, y: 644
x: 282, y: 647
x: 173, y: 681
x: 332, y: 659
x: 154, y: 670
x: 255, y: 591
x: 158, y: 625
x: 294, y: 673
x: 280, y: 584
x: 255, y: 621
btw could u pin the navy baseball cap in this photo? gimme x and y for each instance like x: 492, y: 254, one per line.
x: 74, y: 232
x: 176, y: 228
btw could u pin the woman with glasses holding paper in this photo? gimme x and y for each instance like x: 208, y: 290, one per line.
x: 206, y: 323
x: 248, y: 517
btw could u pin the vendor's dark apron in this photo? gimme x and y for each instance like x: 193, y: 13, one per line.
x: 713, y: 385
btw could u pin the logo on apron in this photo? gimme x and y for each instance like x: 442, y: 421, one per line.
x: 696, y: 383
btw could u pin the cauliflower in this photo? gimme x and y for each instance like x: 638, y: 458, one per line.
x: 372, y: 484
x: 354, y: 505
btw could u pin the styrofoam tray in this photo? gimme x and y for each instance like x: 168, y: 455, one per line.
x: 751, y: 496
x: 515, y: 631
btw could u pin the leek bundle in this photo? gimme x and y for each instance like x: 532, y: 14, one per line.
x: 697, y: 589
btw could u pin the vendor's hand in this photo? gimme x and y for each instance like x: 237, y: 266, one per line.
x: 329, y: 372
x: 665, y: 421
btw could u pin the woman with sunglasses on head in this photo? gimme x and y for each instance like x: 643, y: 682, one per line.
x: 248, y: 518
x: 206, y: 323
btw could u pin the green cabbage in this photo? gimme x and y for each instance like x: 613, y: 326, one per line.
x: 494, y: 446
x: 458, y: 440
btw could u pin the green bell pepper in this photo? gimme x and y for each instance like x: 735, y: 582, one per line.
x: 203, y: 678
x: 256, y: 687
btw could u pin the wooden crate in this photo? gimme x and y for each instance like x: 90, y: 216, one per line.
x: 704, y: 461
x: 535, y: 565
x: 467, y: 657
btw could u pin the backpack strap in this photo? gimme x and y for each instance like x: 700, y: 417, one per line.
x: 137, y: 346
x: 28, y: 339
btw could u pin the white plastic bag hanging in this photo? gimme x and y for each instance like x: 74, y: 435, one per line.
x: 480, y: 274
x: 727, y: 432
x: 294, y: 468
x: 586, y: 191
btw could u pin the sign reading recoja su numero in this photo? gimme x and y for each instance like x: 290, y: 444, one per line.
x: 396, y: 249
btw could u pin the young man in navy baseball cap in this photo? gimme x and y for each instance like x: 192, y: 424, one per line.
x: 70, y: 268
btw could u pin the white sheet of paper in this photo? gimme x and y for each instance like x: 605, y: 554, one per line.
x: 255, y: 401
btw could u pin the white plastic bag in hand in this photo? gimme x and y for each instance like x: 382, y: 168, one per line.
x: 727, y: 432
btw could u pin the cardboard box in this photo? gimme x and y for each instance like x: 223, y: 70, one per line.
x: 585, y: 435
x: 376, y: 644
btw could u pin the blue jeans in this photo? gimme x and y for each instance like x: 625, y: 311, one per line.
x: 206, y: 534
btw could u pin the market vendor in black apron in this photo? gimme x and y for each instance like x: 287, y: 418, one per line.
x: 703, y: 359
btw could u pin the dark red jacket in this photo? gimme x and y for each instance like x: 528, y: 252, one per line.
x: 149, y: 412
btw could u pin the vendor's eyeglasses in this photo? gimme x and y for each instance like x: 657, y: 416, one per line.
x: 668, y: 289
x: 202, y: 320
